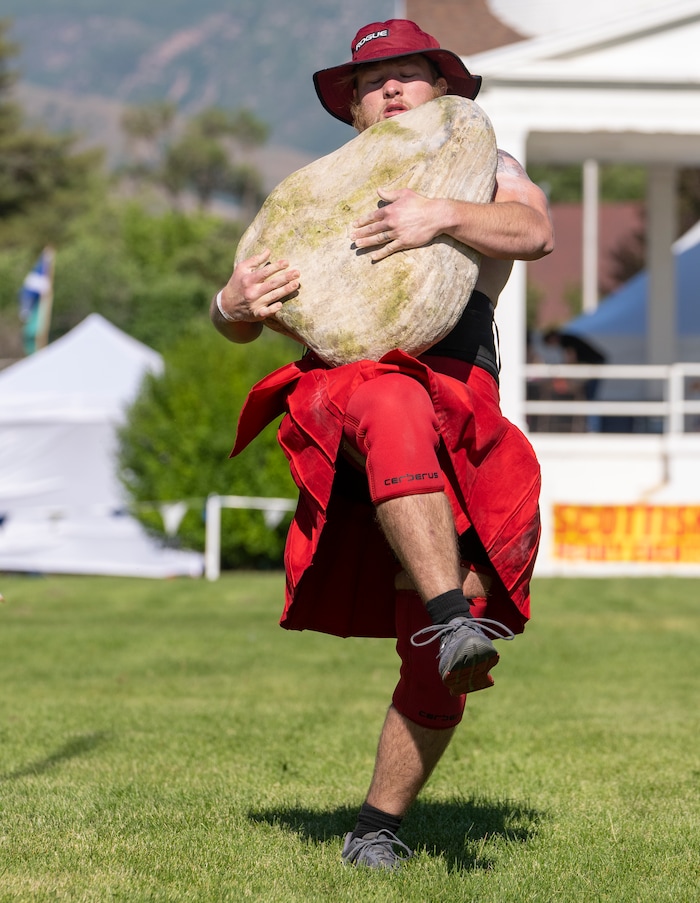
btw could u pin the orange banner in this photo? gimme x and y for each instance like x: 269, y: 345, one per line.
x: 651, y: 533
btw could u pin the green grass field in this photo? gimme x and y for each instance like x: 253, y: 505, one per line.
x: 167, y: 741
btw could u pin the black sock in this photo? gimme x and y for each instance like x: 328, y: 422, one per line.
x: 443, y: 608
x: 370, y: 820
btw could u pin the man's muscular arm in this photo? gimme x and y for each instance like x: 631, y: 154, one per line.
x: 516, y: 226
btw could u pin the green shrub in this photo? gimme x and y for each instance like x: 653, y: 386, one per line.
x: 179, y: 433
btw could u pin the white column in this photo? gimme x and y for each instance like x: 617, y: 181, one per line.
x: 512, y: 332
x: 511, y: 314
x: 590, y: 236
x: 661, y: 233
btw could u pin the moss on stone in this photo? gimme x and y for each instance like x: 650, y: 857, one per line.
x: 296, y: 318
x: 393, y: 299
x: 391, y: 128
x: 345, y: 346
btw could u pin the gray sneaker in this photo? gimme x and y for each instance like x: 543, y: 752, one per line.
x: 466, y: 653
x: 377, y: 850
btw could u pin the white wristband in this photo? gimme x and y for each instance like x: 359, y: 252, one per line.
x: 221, y: 310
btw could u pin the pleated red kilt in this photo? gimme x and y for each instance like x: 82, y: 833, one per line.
x: 340, y: 570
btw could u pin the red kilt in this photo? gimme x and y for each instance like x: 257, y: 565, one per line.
x: 340, y: 570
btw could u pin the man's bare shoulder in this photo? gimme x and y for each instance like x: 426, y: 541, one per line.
x: 507, y: 165
x: 514, y: 184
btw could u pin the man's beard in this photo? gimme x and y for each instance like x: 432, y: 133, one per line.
x: 361, y: 119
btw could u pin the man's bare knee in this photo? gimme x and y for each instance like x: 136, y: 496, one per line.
x: 475, y: 584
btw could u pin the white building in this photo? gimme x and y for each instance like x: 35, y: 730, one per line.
x: 620, y: 85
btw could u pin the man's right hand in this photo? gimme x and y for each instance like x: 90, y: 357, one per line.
x: 255, y: 291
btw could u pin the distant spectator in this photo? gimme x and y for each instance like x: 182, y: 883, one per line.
x: 578, y: 351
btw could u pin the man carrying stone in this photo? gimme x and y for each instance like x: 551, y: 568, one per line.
x: 414, y: 450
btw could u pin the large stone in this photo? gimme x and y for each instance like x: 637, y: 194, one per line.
x: 347, y: 307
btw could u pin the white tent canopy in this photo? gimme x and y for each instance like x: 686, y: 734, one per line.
x: 61, y: 504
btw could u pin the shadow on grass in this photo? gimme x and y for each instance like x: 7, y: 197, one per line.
x: 77, y: 746
x: 456, y: 830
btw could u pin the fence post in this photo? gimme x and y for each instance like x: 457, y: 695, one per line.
x: 676, y: 397
x: 212, y: 537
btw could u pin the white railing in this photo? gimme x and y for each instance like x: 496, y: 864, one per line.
x: 657, y: 391
x: 273, y: 508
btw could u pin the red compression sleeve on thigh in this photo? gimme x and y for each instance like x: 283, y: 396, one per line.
x: 420, y: 694
x: 391, y: 422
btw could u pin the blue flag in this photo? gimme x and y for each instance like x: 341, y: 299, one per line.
x: 36, y: 290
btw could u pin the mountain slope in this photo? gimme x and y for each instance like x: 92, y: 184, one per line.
x: 258, y: 54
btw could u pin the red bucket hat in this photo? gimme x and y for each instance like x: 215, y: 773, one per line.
x: 384, y: 41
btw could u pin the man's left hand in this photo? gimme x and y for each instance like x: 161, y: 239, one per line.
x: 403, y: 221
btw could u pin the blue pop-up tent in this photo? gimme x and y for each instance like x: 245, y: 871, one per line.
x: 618, y: 327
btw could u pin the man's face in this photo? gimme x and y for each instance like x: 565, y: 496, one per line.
x: 384, y: 90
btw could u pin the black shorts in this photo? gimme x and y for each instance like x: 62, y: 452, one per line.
x: 473, y: 339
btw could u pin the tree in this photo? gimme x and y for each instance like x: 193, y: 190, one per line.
x: 147, y: 128
x: 250, y: 133
x: 178, y: 435
x: 43, y: 180
x: 199, y: 162
x: 44, y: 185
x: 201, y: 155
x: 7, y: 51
x: 148, y: 273
x: 564, y: 184
x: 248, y: 130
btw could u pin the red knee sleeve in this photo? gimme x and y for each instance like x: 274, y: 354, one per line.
x: 390, y: 421
x: 420, y: 694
